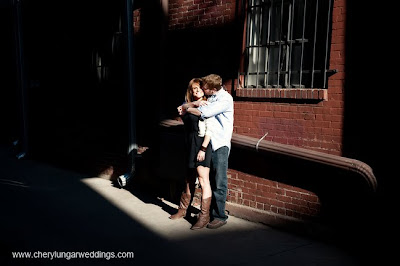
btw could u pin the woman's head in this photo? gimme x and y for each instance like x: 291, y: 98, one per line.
x: 194, y: 91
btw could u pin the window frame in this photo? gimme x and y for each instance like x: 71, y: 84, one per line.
x: 270, y: 90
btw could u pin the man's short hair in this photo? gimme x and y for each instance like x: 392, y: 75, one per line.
x: 213, y: 81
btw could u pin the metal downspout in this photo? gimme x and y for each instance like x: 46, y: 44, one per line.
x: 130, y: 83
x: 163, y: 63
x: 132, y: 149
x: 21, y: 78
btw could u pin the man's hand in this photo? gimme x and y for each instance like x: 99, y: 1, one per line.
x: 203, y: 103
x: 201, y: 155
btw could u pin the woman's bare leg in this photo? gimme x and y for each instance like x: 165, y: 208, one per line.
x: 204, y: 179
x: 204, y: 217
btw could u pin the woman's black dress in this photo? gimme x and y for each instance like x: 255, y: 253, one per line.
x: 193, y: 142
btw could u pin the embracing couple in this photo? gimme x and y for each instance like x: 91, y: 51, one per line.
x: 208, y: 123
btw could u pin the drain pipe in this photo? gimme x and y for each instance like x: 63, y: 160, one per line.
x: 21, y: 77
x: 132, y: 147
x: 349, y: 164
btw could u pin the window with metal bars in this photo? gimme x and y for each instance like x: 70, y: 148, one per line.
x: 287, y: 44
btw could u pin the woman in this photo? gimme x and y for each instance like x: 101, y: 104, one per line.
x: 197, y: 139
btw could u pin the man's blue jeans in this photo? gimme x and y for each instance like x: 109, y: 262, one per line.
x: 219, y: 184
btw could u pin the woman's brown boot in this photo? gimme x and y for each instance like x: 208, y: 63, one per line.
x: 204, y: 217
x: 183, y: 205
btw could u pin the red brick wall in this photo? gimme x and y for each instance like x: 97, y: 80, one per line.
x: 271, y: 196
x: 199, y: 13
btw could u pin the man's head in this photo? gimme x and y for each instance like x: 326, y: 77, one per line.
x: 211, y: 84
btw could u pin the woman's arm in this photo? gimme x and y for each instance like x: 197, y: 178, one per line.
x: 201, y: 155
x: 192, y: 107
x: 193, y: 111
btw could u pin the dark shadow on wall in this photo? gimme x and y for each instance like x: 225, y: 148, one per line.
x: 341, y: 192
x: 197, y: 53
x: 77, y: 96
x: 167, y: 59
x: 370, y: 109
x: 75, y: 61
x: 9, y: 105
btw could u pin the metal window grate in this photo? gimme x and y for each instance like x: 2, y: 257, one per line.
x: 287, y: 44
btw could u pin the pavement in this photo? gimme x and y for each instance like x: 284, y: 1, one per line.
x: 49, y: 209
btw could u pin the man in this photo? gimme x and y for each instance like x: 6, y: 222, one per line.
x: 220, y: 105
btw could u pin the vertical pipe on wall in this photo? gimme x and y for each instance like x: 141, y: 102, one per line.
x: 132, y: 149
x: 21, y: 78
x: 164, y: 12
x: 130, y: 84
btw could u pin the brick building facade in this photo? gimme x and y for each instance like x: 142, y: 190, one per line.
x: 310, y: 118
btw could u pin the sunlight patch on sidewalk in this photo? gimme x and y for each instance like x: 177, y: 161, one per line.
x: 149, y: 215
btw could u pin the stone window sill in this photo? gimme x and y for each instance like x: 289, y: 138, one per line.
x: 280, y: 93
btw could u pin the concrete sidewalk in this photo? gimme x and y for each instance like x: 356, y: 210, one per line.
x: 45, y: 208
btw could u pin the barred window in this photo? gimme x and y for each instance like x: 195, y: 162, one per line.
x: 287, y: 44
